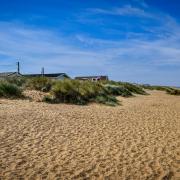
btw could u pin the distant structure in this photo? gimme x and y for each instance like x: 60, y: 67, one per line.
x: 4, y: 75
x: 57, y: 76
x: 92, y: 78
x: 18, y: 67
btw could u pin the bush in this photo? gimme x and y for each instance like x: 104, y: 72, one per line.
x: 47, y: 99
x: 127, y: 87
x: 18, y: 81
x: 107, y: 100
x: 9, y: 90
x: 173, y: 91
x: 117, y: 90
x: 67, y: 91
x: 39, y: 83
x: 134, y: 88
x: 77, y: 92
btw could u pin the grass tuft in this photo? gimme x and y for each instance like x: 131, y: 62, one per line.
x: 9, y: 90
x: 172, y: 91
x: 117, y: 90
x: 39, y: 83
x: 78, y: 92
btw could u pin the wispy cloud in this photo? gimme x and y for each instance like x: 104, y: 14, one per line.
x: 126, y: 10
x: 36, y: 48
x: 137, y: 56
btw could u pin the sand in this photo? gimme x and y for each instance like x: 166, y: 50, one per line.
x: 138, y: 140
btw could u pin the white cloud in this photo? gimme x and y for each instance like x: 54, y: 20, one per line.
x: 126, y: 10
x: 36, y: 48
x: 125, y: 59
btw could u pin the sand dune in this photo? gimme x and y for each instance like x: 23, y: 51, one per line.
x: 139, y: 140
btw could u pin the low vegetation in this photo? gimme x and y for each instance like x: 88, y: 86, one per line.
x: 9, y: 90
x: 117, y: 90
x: 39, y: 83
x: 159, y: 88
x: 169, y: 90
x: 128, y: 87
x: 71, y: 91
x: 173, y: 91
x: 18, y: 81
x: 77, y: 92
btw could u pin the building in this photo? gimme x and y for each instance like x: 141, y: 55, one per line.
x: 92, y: 78
x: 57, y: 76
x: 4, y: 75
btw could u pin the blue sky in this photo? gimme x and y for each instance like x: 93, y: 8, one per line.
x: 129, y: 40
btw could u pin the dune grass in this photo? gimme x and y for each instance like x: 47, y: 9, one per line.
x: 18, y: 81
x: 136, y: 89
x: 71, y: 91
x: 39, y: 83
x: 159, y: 88
x: 174, y: 91
x: 127, y: 88
x: 8, y: 90
x: 78, y: 92
x: 117, y: 90
x: 167, y: 89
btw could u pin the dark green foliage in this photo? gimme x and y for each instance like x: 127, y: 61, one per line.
x: 132, y: 88
x: 39, y: 83
x: 9, y: 90
x: 48, y: 99
x: 173, y: 91
x: 18, y: 81
x: 117, y: 90
x: 68, y: 91
x: 77, y: 92
x: 107, y: 100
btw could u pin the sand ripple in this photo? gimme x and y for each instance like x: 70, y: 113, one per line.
x: 139, y: 140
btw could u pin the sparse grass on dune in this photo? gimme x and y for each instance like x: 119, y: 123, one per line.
x: 134, y: 88
x: 78, y: 92
x: 169, y: 90
x: 127, y: 87
x: 74, y: 91
x: 18, y: 81
x: 8, y: 90
x: 117, y: 90
x: 173, y: 91
x: 159, y: 88
x: 39, y: 83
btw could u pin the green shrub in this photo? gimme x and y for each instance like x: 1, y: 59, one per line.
x: 117, y: 90
x: 107, y: 100
x: 173, y: 91
x: 67, y: 91
x: 18, y: 81
x: 48, y: 99
x: 78, y: 92
x: 134, y: 88
x: 39, y: 83
x: 9, y: 90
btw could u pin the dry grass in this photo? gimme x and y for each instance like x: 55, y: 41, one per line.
x: 139, y: 140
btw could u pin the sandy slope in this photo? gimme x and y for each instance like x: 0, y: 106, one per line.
x: 139, y: 140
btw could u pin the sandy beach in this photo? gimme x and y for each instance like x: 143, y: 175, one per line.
x: 138, y: 140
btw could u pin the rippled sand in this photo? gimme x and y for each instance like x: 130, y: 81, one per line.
x: 139, y: 140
